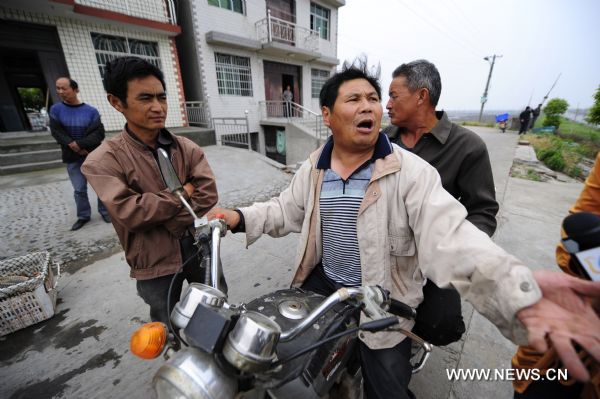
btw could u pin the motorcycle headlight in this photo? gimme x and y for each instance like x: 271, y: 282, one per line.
x: 192, y: 374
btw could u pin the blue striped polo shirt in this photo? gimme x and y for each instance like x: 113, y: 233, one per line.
x: 340, y: 201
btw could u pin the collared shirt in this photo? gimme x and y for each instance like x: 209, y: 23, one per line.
x: 339, y: 203
x: 163, y: 140
x: 461, y: 158
x: 383, y: 147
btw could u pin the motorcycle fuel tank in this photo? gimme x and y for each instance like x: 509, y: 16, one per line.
x: 288, y: 308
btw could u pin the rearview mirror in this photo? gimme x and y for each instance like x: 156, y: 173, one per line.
x: 174, y: 184
x: 168, y: 172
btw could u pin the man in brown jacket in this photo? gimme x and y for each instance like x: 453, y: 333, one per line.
x: 151, y: 222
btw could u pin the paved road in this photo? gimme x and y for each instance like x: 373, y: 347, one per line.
x: 83, y: 351
x: 38, y: 209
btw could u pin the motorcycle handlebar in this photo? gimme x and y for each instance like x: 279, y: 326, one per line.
x: 401, y: 309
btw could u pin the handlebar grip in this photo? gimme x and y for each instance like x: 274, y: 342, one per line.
x: 403, y: 310
x: 380, y: 324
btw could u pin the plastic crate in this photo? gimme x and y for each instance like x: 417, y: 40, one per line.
x: 31, y: 297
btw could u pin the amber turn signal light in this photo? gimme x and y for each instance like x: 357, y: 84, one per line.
x: 149, y: 340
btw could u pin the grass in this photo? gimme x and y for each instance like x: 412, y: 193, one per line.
x: 560, y: 154
x: 564, y: 150
x: 525, y: 173
x: 533, y: 175
x: 483, y: 124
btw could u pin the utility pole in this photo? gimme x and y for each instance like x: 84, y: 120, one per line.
x: 554, y: 84
x: 487, y: 85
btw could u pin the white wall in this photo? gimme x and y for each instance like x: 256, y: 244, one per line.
x: 81, y: 61
x: 211, y: 18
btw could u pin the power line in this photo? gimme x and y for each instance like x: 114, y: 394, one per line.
x: 458, y: 11
x: 461, y: 34
x: 444, y: 34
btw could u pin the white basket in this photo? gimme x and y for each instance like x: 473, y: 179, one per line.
x: 31, y: 301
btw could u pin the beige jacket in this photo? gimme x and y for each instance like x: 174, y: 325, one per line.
x: 147, y: 217
x: 408, y: 228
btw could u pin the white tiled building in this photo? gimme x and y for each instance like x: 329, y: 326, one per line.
x: 233, y: 58
x: 41, y: 40
x: 239, y: 55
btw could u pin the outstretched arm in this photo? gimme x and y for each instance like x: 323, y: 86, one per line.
x: 564, y: 317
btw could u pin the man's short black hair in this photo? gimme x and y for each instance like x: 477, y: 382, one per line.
x: 350, y: 71
x: 121, y: 70
x: 73, y: 84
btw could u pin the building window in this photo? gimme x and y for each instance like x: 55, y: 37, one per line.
x: 319, y: 77
x: 233, y: 5
x: 319, y: 20
x: 110, y: 47
x: 234, y: 76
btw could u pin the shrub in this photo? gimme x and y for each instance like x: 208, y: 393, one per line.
x: 555, y: 162
x: 545, y: 153
x: 551, y: 120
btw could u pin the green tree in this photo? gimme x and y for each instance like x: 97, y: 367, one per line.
x: 593, y: 116
x: 32, y: 98
x: 553, y: 110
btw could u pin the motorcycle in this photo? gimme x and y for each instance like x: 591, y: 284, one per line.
x: 502, y: 120
x: 285, y: 344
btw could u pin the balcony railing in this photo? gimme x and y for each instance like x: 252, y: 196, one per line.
x: 154, y: 10
x: 273, y: 29
x: 295, y: 113
x: 197, y: 113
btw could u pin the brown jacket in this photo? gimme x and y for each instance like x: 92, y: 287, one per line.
x: 147, y: 217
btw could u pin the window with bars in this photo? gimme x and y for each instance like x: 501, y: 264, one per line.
x: 110, y: 47
x: 319, y: 77
x: 234, y: 76
x: 233, y: 5
x: 319, y: 20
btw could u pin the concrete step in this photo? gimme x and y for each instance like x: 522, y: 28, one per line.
x: 14, y: 158
x: 33, y: 145
x: 29, y: 167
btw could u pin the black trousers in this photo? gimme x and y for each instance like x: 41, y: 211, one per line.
x: 155, y: 291
x: 386, y: 372
x: 524, y: 127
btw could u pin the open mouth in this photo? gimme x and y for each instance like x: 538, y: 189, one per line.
x: 365, y: 126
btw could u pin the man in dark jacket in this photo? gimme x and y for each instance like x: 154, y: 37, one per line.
x: 460, y: 157
x: 535, y: 114
x: 524, y: 118
x: 76, y: 126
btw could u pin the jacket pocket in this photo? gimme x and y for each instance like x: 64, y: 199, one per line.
x: 402, y: 251
x: 403, y: 245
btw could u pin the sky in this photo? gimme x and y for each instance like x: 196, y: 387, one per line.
x: 538, y: 40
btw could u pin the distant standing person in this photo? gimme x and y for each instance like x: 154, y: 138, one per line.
x: 524, y: 118
x: 535, y: 113
x: 77, y: 127
x: 288, y: 96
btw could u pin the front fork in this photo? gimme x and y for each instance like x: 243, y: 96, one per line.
x: 208, y: 240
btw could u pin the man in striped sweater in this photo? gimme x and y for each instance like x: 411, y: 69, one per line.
x: 76, y: 126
